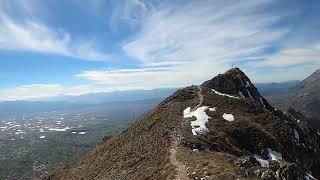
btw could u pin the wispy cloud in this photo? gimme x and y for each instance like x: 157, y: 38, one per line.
x: 192, y: 41
x: 205, y: 31
x: 155, y: 77
x: 292, y: 57
x: 129, y: 12
x: 28, y: 34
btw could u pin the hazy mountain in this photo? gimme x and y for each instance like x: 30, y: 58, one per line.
x: 307, y: 97
x: 303, y: 96
x: 268, y: 89
x: 130, y: 95
x: 222, y: 129
x: 107, y: 100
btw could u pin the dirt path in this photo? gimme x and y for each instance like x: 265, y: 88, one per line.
x: 181, y: 169
x: 200, y: 97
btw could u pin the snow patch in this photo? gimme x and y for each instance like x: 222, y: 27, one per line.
x: 59, y: 129
x: 42, y: 137
x: 82, y: 132
x: 262, y: 102
x: 222, y: 94
x: 296, y: 135
x: 249, y: 93
x: 186, y: 112
x: 241, y: 94
x: 263, y: 162
x: 212, y: 109
x: 198, y: 126
x: 228, y: 117
x: 273, y: 155
x: 309, y: 177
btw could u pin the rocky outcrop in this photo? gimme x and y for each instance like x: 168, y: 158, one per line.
x: 235, y: 82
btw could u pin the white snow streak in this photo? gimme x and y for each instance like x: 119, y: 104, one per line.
x: 222, y: 94
x: 296, y: 135
x: 241, y: 94
x: 309, y: 177
x: 263, y: 162
x: 273, y: 155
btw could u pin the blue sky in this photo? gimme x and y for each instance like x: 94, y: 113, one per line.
x: 50, y: 47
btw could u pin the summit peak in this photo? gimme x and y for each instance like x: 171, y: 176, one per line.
x: 235, y: 82
x: 234, y: 70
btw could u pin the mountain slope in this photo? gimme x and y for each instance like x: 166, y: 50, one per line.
x: 304, y: 97
x: 222, y: 129
x: 307, y: 98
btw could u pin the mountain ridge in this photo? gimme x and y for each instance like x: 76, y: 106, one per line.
x: 222, y: 129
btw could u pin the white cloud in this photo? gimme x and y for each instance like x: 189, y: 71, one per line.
x: 291, y: 57
x: 129, y: 12
x: 155, y: 77
x: 21, y: 32
x: 117, y: 80
x: 282, y: 74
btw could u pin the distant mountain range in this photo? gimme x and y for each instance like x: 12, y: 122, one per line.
x: 107, y: 100
x: 116, y: 96
x: 221, y: 129
x: 304, y: 96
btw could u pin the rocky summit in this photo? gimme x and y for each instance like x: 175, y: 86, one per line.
x: 222, y: 129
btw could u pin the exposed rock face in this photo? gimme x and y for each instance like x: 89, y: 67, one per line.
x: 223, y: 129
x: 235, y: 82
